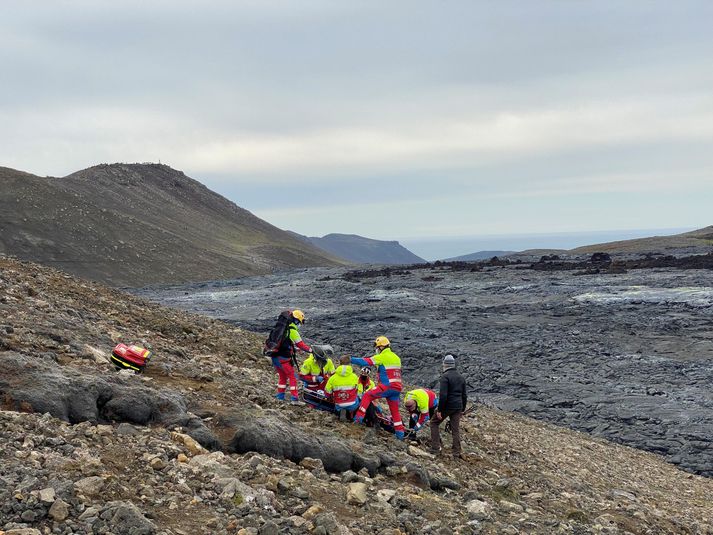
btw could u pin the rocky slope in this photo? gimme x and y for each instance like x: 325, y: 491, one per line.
x: 198, y: 444
x: 131, y: 225
x: 361, y: 250
x: 619, y: 349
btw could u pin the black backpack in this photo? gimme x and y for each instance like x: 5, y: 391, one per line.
x: 277, y: 334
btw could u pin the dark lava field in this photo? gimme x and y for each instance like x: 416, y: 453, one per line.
x: 623, y: 355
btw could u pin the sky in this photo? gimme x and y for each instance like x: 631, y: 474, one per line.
x: 421, y: 121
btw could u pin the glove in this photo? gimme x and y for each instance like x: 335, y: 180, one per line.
x: 318, y: 378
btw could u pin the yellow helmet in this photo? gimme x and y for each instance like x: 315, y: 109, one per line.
x: 298, y: 315
x: 382, y: 342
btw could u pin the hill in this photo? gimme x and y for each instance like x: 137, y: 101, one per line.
x: 139, y: 224
x: 480, y: 255
x: 362, y: 250
x: 197, y: 444
x: 700, y: 240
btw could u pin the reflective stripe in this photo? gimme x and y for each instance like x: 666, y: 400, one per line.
x: 345, y: 387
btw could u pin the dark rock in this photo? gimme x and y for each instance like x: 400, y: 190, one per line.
x: 277, y: 437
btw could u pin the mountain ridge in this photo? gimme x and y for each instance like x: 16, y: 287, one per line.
x: 138, y: 224
x: 362, y: 250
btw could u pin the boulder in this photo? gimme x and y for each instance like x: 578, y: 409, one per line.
x: 277, y: 437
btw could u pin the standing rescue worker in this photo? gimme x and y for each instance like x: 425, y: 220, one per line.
x: 452, y: 402
x: 421, y: 405
x: 285, y: 359
x: 389, y: 368
x: 343, y: 387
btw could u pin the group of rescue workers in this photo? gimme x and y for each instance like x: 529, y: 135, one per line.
x: 354, y: 395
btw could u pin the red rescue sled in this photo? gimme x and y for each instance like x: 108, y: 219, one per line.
x: 130, y: 357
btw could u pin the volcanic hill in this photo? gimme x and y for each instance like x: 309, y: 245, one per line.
x: 198, y: 445
x: 139, y: 224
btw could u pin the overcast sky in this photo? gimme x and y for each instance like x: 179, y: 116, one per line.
x: 391, y: 120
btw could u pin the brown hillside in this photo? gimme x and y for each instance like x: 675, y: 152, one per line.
x: 139, y: 224
x: 700, y: 240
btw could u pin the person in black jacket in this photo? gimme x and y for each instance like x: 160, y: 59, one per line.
x: 452, y: 401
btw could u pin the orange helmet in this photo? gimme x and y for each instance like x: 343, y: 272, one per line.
x: 298, y: 315
x: 382, y: 342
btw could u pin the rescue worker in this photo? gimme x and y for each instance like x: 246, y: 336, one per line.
x: 365, y: 382
x: 285, y: 359
x: 317, y: 367
x: 389, y: 368
x: 343, y: 387
x: 421, y: 405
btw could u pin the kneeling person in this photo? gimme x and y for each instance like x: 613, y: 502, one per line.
x: 421, y: 405
x: 317, y: 367
x: 343, y: 386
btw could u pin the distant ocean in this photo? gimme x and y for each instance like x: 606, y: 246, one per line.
x: 435, y: 248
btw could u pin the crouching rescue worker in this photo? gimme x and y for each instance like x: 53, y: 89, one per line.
x: 365, y: 382
x: 342, y: 385
x: 388, y: 365
x: 317, y: 367
x: 421, y: 405
x: 285, y: 359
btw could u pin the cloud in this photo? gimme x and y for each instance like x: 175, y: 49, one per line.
x: 438, y: 107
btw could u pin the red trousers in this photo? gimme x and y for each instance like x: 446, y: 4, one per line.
x: 392, y: 399
x: 286, y: 373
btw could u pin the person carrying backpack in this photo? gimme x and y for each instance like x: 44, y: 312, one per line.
x: 389, y: 368
x: 283, y: 358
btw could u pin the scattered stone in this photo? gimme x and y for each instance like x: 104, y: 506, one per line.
x: 478, y: 510
x: 59, y: 510
x: 312, y: 512
x: 189, y: 442
x: 89, y: 486
x: 356, y: 493
x: 47, y: 495
x: 418, y: 452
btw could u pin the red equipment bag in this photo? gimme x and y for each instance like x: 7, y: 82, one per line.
x: 130, y: 357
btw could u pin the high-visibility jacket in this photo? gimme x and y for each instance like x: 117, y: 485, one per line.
x: 388, y: 365
x: 426, y: 400
x: 365, y: 386
x: 291, y: 341
x: 310, y: 368
x: 343, y: 385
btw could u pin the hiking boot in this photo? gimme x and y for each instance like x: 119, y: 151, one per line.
x: 280, y: 396
x: 435, y: 451
x: 343, y: 415
x: 296, y: 401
